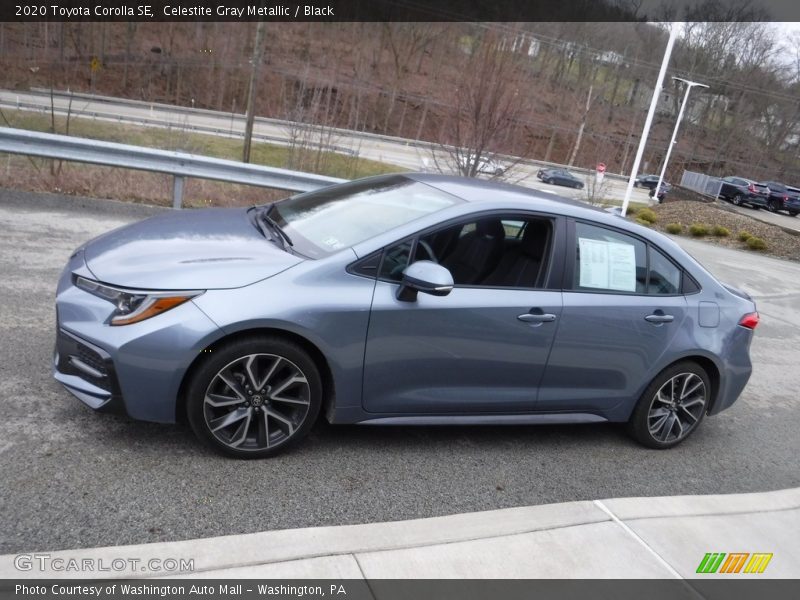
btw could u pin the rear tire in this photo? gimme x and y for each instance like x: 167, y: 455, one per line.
x: 737, y: 200
x: 671, y: 407
x: 254, y: 397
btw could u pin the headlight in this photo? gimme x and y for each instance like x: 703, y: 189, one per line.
x: 135, y: 305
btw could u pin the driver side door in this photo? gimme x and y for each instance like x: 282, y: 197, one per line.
x: 484, y: 346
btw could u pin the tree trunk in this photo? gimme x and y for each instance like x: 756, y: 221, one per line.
x: 578, y: 139
x: 258, y: 53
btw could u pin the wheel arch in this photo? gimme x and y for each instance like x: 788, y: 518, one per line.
x: 328, y: 386
x: 705, y: 362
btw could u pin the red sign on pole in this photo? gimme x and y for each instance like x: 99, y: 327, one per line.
x: 601, y: 167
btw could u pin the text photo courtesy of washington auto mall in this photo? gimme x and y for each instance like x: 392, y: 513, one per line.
x: 399, y: 299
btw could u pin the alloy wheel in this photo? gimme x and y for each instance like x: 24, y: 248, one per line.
x: 677, y: 407
x: 257, y: 402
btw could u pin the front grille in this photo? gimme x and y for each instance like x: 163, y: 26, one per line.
x: 92, y: 358
x: 99, y: 368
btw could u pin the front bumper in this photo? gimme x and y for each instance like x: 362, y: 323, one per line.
x: 87, y: 372
x: 132, y: 369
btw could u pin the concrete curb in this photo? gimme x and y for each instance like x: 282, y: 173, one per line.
x: 662, y: 537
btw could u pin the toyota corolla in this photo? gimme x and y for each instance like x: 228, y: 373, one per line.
x: 399, y: 300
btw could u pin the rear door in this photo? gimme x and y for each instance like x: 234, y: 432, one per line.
x: 622, y: 308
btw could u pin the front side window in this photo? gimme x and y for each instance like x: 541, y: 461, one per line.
x: 327, y: 220
x: 395, y: 260
x: 488, y: 252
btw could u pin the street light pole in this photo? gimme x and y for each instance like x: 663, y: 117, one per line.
x: 673, y: 32
x: 689, y: 86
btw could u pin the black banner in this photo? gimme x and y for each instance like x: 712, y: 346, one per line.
x: 391, y: 589
x: 399, y: 10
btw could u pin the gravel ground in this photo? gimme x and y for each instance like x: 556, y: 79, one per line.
x: 780, y: 243
x: 73, y: 478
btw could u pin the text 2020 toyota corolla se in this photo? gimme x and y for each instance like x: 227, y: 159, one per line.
x: 402, y: 299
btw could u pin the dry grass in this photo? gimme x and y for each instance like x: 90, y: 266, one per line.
x: 44, y: 175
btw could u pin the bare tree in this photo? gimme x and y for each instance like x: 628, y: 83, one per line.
x: 488, y: 102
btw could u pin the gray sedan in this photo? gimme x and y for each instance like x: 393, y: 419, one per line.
x: 399, y: 300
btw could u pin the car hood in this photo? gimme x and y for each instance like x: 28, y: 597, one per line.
x: 188, y: 249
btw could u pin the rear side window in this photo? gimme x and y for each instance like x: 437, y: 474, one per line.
x: 614, y: 262
x: 665, y: 277
x: 607, y: 260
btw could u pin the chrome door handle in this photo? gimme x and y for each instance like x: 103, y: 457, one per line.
x: 540, y: 318
x: 659, y: 318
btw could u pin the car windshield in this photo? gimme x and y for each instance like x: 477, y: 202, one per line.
x: 327, y: 220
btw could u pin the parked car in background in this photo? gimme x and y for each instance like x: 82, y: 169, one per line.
x: 410, y: 299
x: 648, y: 181
x: 741, y: 191
x: 560, y: 177
x: 781, y: 198
x: 486, y: 165
x: 662, y: 191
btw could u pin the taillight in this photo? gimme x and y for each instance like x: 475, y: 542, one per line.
x: 750, y: 320
x: 785, y: 198
x: 751, y: 187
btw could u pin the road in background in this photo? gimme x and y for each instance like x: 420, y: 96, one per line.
x: 74, y: 478
x: 409, y: 154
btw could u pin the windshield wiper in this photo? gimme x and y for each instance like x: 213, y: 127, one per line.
x: 267, y: 225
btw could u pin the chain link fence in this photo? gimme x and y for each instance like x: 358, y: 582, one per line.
x: 701, y: 183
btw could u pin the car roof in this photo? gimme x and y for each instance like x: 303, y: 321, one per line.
x: 477, y: 190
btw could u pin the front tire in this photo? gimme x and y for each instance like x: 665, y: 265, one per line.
x: 671, y: 407
x: 254, y: 397
x: 737, y: 200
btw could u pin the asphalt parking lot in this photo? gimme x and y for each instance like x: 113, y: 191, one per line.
x: 72, y: 478
x: 777, y: 218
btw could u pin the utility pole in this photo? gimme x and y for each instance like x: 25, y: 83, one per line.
x: 258, y: 53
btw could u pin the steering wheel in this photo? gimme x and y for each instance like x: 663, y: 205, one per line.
x: 428, y: 250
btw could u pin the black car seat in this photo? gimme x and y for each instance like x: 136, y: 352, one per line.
x: 520, y: 266
x: 477, y: 252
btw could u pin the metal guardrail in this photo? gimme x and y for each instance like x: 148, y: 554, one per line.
x: 178, y: 164
x: 701, y: 183
x: 420, y: 145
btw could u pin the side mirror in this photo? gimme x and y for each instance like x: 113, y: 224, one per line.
x: 427, y: 277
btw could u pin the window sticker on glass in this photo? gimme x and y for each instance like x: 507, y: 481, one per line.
x: 607, y: 265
